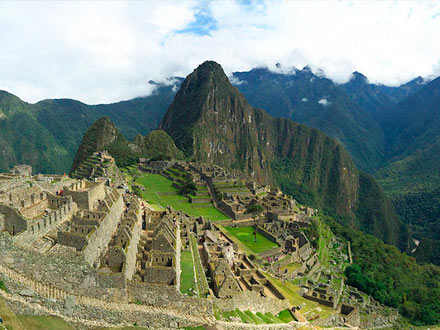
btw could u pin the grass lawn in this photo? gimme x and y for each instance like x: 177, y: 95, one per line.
x: 246, y: 236
x: 245, y: 318
x: 156, y: 184
x: 255, y: 318
x: 325, y: 237
x: 264, y: 318
x: 10, y: 320
x: 44, y: 323
x: 290, y: 267
x: 187, y: 279
x: 285, y: 316
x: 201, y: 282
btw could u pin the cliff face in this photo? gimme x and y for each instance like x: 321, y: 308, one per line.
x: 212, y: 122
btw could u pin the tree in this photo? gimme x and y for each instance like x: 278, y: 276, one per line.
x: 255, y: 210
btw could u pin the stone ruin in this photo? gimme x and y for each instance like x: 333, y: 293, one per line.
x: 159, y: 251
x: 99, y: 166
x: 22, y: 170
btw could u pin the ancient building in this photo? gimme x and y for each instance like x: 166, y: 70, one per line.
x: 159, y: 251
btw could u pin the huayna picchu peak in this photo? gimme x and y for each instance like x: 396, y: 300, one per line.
x: 211, y: 121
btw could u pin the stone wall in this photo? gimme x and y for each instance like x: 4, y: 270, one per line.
x: 253, y: 301
x: 45, y: 299
x: 85, y: 193
x: 132, y: 248
x: 37, y: 228
x: 100, y: 238
x: 165, y: 296
x: 14, y: 222
x: 2, y: 222
x: 36, y: 208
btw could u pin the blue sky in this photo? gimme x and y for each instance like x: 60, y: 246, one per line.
x: 100, y: 52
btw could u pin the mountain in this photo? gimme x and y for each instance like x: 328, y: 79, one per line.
x: 104, y: 135
x: 316, y: 102
x: 211, y: 121
x: 379, y: 100
x: 158, y: 145
x: 411, y: 177
x: 47, y: 134
x: 23, y: 139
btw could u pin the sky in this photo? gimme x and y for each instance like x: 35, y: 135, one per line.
x: 102, y: 52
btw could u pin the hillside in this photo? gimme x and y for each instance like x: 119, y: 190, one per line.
x: 23, y: 139
x: 316, y: 102
x: 379, y: 100
x: 104, y: 135
x: 212, y: 122
x: 47, y: 134
x: 411, y: 177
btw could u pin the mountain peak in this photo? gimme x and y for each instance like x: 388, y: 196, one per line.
x: 205, y: 95
x: 358, y: 77
x: 102, y: 133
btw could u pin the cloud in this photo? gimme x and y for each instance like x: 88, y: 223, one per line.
x: 108, y: 51
x: 324, y: 102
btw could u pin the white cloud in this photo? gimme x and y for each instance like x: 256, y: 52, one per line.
x: 304, y: 99
x: 108, y: 51
x: 324, y: 102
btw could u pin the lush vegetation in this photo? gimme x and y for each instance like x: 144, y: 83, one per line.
x: 297, y: 96
x: 47, y: 134
x: 247, y: 236
x: 104, y: 135
x: 254, y: 209
x: 3, y: 286
x: 187, y: 188
x: 392, y: 277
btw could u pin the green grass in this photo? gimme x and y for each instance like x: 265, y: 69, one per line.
x: 285, y: 316
x: 202, y: 283
x: 10, y: 320
x: 290, y: 267
x: 155, y: 184
x: 272, y: 317
x: 246, y: 236
x: 3, y: 286
x: 44, y: 323
x: 325, y: 237
x: 264, y: 318
x: 187, y: 279
x: 245, y: 318
x: 228, y: 314
x: 254, y: 318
